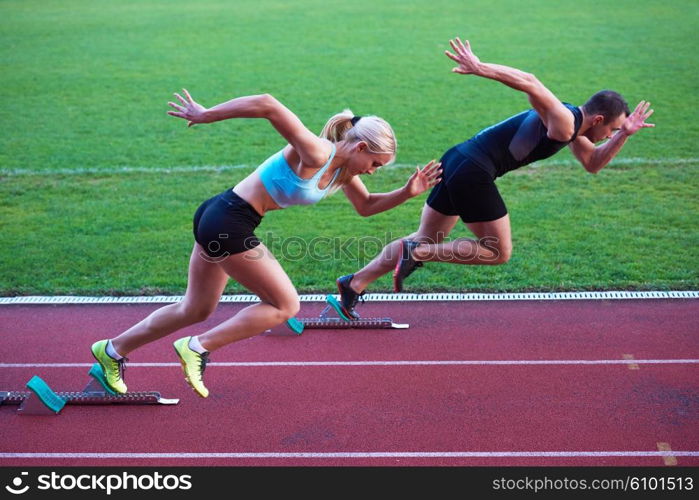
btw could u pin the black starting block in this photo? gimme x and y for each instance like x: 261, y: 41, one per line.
x: 332, y: 318
x: 42, y: 400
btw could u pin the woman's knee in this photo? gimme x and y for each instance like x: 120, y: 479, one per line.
x: 290, y: 308
x: 196, y: 313
x: 286, y: 308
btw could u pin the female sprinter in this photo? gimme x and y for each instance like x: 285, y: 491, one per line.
x: 302, y: 173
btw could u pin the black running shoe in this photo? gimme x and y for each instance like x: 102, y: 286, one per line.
x: 348, y: 297
x: 405, y: 265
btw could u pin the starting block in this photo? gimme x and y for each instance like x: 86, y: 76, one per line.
x: 337, y: 321
x: 42, y: 400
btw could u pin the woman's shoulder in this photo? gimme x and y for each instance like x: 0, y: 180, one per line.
x: 315, y: 159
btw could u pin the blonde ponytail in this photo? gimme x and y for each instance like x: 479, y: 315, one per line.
x: 374, y: 131
x: 337, y: 126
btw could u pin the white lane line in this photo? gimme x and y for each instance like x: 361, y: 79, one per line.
x: 368, y: 454
x: 370, y: 297
x: 384, y: 363
x: 183, y: 169
x: 121, y: 170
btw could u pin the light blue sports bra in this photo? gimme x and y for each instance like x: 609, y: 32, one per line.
x: 286, y: 188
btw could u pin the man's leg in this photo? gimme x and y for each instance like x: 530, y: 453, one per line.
x: 492, y: 246
x: 434, y: 227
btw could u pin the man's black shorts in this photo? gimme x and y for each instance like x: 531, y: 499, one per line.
x: 466, y: 190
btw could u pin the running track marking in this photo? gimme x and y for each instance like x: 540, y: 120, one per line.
x: 375, y: 454
x: 383, y: 363
x: 632, y: 366
x: 378, y: 297
x: 125, y: 169
x: 371, y: 297
x: 670, y: 459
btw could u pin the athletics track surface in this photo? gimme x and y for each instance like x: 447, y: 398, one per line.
x: 494, y: 383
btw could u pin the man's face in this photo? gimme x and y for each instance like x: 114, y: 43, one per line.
x: 601, y: 131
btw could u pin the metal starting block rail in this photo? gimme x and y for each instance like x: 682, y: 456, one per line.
x: 42, y: 400
x: 326, y: 321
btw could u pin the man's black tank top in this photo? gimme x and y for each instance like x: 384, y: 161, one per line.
x: 515, y: 142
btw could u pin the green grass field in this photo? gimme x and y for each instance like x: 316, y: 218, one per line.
x: 98, y: 184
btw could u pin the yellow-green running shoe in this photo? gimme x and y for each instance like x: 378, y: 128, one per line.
x: 113, y: 369
x: 193, y: 365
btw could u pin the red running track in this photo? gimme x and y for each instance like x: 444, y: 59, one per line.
x: 510, y: 402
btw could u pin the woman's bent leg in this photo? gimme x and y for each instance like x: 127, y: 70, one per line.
x: 258, y: 271
x: 206, y: 282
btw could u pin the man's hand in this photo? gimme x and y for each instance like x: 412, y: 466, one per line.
x: 190, y: 109
x: 637, y: 120
x: 467, y: 60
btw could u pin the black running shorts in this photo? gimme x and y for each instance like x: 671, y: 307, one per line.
x: 466, y: 190
x: 224, y: 225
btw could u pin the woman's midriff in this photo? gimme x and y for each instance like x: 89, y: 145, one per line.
x: 253, y: 191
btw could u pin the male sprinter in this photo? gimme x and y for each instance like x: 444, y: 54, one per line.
x: 468, y: 191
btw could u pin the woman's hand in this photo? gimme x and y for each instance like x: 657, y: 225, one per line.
x: 424, y: 179
x: 190, y: 110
